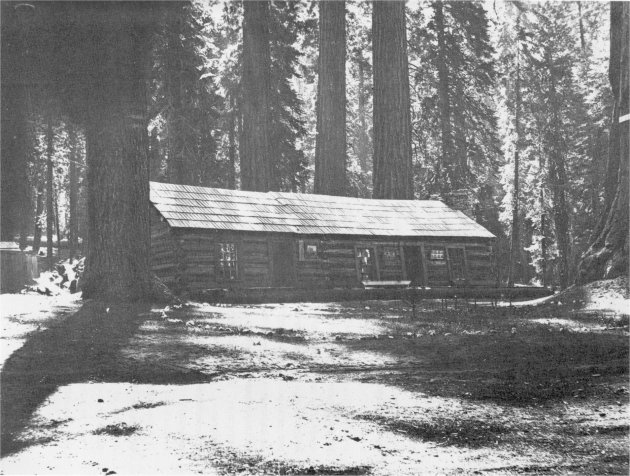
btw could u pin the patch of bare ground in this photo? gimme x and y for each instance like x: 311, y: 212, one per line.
x: 311, y: 388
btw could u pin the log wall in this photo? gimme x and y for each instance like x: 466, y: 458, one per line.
x: 187, y: 260
x: 311, y: 273
x: 163, y: 252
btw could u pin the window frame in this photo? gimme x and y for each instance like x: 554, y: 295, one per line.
x: 233, y: 262
x: 303, y: 246
x: 442, y: 254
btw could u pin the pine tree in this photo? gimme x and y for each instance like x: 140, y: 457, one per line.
x: 289, y: 164
x: 453, y: 80
x: 359, y: 93
x: 186, y: 101
x: 227, y: 43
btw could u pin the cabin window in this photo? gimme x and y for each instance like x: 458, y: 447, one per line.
x: 437, y: 255
x: 227, y: 267
x: 308, y: 250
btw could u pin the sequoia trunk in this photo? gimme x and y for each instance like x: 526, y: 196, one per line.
x: 392, y: 174
x: 73, y: 223
x: 448, y: 149
x: 330, y: 151
x: 607, y: 256
x: 117, y: 266
x: 515, y: 247
x: 255, y: 145
x: 50, y: 139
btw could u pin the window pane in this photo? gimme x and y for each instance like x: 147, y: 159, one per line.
x: 227, y: 268
x: 311, y: 251
x: 437, y: 254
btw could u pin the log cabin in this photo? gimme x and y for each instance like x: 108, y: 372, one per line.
x: 209, y: 238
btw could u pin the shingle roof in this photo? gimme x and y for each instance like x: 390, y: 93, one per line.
x: 186, y: 206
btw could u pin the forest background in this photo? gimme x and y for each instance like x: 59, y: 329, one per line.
x: 510, y: 112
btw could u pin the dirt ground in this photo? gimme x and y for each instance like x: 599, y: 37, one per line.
x: 312, y: 388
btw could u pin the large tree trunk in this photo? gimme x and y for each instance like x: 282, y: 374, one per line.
x: 50, y: 217
x: 558, y: 180
x: 607, y: 257
x: 255, y: 145
x: 363, y: 147
x: 515, y: 244
x: 14, y: 187
x: 330, y: 149
x: 39, y: 209
x: 543, y: 240
x: 393, y: 174
x: 73, y: 226
x: 231, y: 179
x: 117, y: 266
x: 57, y: 227
x: 448, y: 149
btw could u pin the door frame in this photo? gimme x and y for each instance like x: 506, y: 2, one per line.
x: 464, y: 262
x: 271, y: 247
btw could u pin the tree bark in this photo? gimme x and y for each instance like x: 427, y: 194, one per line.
x: 14, y: 187
x: 607, y: 257
x: 50, y: 148
x: 392, y: 174
x: 330, y: 147
x: 57, y: 227
x: 558, y: 180
x: 255, y: 145
x: 73, y: 227
x: 363, y: 148
x: 231, y: 179
x: 39, y: 209
x: 117, y: 266
x: 515, y: 248
x: 448, y: 149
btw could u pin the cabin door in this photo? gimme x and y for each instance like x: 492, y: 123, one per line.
x: 456, y: 265
x: 283, y: 269
x: 414, y: 264
x: 366, y: 264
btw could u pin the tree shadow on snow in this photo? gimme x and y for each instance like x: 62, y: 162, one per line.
x: 83, y: 347
x: 527, y: 364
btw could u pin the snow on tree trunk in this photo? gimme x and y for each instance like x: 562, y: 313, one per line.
x: 330, y: 151
x: 392, y: 175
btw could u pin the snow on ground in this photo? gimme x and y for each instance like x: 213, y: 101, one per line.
x: 352, y: 388
x: 187, y: 429
x: 21, y: 314
x: 313, y: 318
